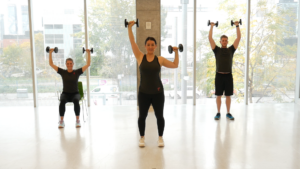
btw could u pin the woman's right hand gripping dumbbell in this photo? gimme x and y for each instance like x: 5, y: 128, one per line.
x: 51, y: 50
x: 130, y: 24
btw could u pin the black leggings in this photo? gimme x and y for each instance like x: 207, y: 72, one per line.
x: 157, y: 101
x: 69, y: 97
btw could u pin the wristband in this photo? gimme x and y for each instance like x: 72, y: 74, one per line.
x: 238, y: 26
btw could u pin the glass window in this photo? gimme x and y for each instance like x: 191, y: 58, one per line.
x: 49, y: 36
x: 25, y: 22
x: 221, y: 11
x: 12, y: 19
x: 57, y: 32
x: 177, y: 28
x: 273, y: 51
x: 76, y: 28
x: 48, y: 26
x: 113, y: 64
x: 58, y: 26
x: 97, y: 90
x: 59, y: 36
x: 15, y: 56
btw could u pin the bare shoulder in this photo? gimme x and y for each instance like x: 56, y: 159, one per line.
x: 161, y: 60
x: 139, y: 59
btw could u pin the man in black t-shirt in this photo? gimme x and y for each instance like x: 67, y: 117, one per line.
x: 224, y: 80
x: 70, y: 86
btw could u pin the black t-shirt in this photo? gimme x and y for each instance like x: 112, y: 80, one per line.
x: 70, y: 80
x: 224, y: 58
x: 150, y: 81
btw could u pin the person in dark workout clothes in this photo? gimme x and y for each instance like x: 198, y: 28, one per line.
x: 151, y: 90
x: 224, y: 79
x: 70, y: 86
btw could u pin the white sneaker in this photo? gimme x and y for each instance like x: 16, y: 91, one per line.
x: 160, y: 142
x: 142, y: 142
x: 61, y: 124
x: 78, y: 124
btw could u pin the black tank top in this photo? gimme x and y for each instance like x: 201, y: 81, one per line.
x: 150, y: 81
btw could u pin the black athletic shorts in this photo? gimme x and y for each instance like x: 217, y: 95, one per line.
x: 223, y: 82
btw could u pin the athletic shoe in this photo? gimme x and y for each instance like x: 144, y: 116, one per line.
x: 229, y: 116
x: 160, y: 142
x: 142, y: 142
x: 61, y: 124
x: 78, y: 124
x: 218, y: 116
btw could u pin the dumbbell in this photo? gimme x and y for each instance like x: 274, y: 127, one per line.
x: 216, y: 24
x: 170, y: 48
x: 137, y: 23
x: 83, y: 50
x: 48, y: 49
x: 232, y: 23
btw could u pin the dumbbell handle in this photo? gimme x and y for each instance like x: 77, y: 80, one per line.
x: 133, y: 22
x: 215, y: 24
x: 55, y: 49
x: 127, y: 23
x: 233, y: 22
x: 91, y: 50
x: 179, y: 48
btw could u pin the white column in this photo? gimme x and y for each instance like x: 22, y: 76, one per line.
x: 246, y: 80
x: 297, y: 90
x: 32, y: 50
x: 87, y: 47
x: 194, y: 66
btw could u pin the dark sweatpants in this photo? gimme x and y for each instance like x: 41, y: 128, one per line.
x: 69, y: 97
x: 157, y: 101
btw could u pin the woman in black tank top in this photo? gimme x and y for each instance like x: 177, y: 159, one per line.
x: 151, y: 89
x: 70, y: 86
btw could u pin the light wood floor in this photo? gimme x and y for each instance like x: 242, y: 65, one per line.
x: 262, y: 136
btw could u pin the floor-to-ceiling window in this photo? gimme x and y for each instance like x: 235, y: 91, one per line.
x: 59, y: 26
x: 273, y: 51
x: 15, y: 59
x: 113, y: 70
x: 177, y: 25
x: 272, y: 64
x: 272, y: 41
x: 222, y: 12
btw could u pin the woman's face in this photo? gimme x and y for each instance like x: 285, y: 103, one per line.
x: 150, y: 46
x: 69, y: 65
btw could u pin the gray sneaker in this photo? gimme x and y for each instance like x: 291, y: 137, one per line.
x: 61, y: 124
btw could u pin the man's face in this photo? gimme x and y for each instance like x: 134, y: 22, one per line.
x: 224, y: 42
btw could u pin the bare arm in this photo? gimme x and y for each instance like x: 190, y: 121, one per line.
x: 211, y: 40
x: 238, y: 34
x: 169, y: 64
x: 137, y: 53
x: 51, y: 61
x: 88, y: 62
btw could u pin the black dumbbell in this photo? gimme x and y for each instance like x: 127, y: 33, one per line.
x: 232, y: 23
x: 216, y: 24
x: 83, y: 50
x: 48, y: 49
x: 137, y: 23
x: 170, y: 48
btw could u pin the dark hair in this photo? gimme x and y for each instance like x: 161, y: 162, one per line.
x: 150, y: 38
x: 69, y: 59
x: 223, y: 36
